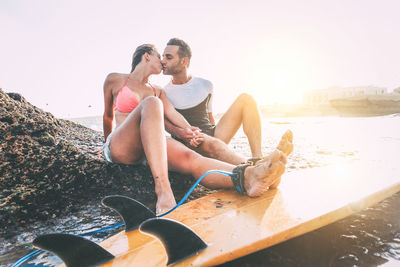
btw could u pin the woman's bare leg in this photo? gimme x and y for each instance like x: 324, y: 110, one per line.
x: 142, y: 133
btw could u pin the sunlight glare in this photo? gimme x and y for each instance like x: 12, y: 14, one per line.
x: 282, y: 77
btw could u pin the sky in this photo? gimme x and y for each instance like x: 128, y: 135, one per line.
x: 58, y: 53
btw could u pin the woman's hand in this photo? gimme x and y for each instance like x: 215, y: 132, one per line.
x: 197, y: 139
x: 97, y: 151
x: 190, y: 135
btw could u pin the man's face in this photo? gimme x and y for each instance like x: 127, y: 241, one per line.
x: 171, y: 62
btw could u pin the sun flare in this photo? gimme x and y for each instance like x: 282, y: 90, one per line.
x: 281, y: 74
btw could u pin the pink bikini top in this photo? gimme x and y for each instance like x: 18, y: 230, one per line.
x: 126, y: 100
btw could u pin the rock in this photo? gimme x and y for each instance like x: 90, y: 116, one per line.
x: 47, y: 168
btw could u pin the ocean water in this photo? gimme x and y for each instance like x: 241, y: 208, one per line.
x: 368, y: 238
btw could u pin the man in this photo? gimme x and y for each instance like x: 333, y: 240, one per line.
x: 192, y: 97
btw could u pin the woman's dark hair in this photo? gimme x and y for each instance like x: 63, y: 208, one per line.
x: 139, y: 52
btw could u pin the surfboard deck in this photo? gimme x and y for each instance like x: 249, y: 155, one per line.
x: 234, y: 225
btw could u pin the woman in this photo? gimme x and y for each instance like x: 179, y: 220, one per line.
x: 139, y: 109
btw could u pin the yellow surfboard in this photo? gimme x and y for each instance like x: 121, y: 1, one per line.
x: 233, y: 225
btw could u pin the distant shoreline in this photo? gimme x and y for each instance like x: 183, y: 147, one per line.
x: 267, y: 111
x: 274, y: 110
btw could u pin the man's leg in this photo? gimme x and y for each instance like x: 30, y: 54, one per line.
x: 243, y: 111
x: 257, y: 178
x: 214, y: 148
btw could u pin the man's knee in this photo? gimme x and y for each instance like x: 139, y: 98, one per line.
x: 246, y: 99
x: 212, y: 146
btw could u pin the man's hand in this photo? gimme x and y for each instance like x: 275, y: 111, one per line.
x: 191, y: 135
x: 196, y: 141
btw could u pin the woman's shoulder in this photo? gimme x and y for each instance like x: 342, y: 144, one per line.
x: 114, y: 81
x: 116, y: 77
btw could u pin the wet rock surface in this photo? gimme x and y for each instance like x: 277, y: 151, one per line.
x: 48, y: 168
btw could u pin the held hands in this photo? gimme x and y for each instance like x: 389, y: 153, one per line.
x: 192, y: 136
x: 197, y: 140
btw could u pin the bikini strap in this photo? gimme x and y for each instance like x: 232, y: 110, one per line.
x: 125, y: 82
x: 123, y: 85
x: 154, y: 90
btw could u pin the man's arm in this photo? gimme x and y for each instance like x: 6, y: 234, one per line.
x: 190, y: 135
x: 211, y: 117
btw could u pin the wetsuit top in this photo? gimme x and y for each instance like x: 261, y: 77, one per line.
x: 126, y: 100
x: 194, y: 101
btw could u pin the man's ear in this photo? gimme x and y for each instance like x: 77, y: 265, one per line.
x: 185, y: 61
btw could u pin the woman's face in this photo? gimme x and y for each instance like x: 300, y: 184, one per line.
x: 155, y: 61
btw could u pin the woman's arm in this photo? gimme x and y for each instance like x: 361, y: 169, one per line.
x: 170, y: 112
x: 191, y: 136
x: 108, y: 114
x: 177, y: 125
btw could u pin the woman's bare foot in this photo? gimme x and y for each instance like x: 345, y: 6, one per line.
x: 165, y: 202
x: 258, y: 178
x: 286, y: 146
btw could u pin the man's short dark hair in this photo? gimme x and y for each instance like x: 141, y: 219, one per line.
x: 184, y: 49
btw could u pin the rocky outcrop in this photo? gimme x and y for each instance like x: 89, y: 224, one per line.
x: 47, y: 167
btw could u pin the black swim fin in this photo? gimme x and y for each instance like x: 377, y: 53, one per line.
x: 75, y: 251
x: 179, y: 241
x: 132, y: 211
